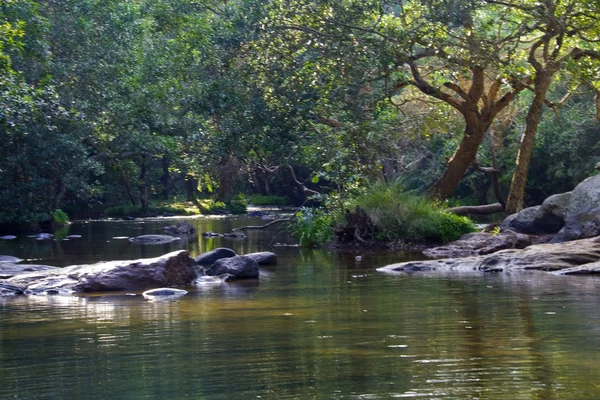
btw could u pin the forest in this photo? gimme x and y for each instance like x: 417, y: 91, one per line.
x: 116, y: 107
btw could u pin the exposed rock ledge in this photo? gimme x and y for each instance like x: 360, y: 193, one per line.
x: 575, y: 257
x: 172, y: 269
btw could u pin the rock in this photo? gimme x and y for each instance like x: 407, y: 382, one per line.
x: 8, y: 237
x: 586, y: 269
x: 74, y: 236
x: 10, y: 290
x: 210, y: 257
x: 569, y: 216
x: 234, y: 235
x: 480, y: 243
x: 580, y: 225
x: 181, y: 228
x: 8, y: 270
x: 242, y: 267
x: 263, y: 258
x: 211, y: 234
x: 173, y: 269
x: 9, y: 259
x: 164, y: 293
x: 42, y: 236
x: 543, y: 257
x: 154, y: 239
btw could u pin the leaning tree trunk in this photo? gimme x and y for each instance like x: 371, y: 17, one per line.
x: 462, y: 158
x: 514, y: 203
x: 143, y: 187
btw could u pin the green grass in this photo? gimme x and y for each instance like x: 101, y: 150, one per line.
x: 270, y: 200
x: 401, y: 215
x: 313, y: 227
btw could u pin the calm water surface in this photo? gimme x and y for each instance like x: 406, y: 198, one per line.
x: 316, y: 326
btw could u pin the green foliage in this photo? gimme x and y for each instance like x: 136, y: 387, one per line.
x: 269, y: 200
x: 400, y: 215
x: 238, y: 204
x: 60, y: 217
x: 313, y: 227
x: 209, y: 206
x: 128, y: 210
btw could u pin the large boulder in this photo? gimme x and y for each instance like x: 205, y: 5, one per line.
x: 173, y: 269
x: 543, y: 257
x: 241, y: 267
x: 210, y: 257
x: 154, y: 239
x: 263, y: 258
x: 568, y: 216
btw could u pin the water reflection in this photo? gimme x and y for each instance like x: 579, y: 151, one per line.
x: 316, y: 326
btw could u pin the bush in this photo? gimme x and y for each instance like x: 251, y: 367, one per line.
x: 209, y: 206
x: 270, y: 200
x: 313, y: 227
x: 238, y: 205
x: 60, y: 217
x: 402, y: 215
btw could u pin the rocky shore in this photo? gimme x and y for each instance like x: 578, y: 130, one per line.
x: 562, y: 236
x: 175, y: 269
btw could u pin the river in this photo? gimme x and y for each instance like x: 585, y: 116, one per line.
x: 318, y: 325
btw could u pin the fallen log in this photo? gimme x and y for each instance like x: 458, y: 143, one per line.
x: 477, y: 210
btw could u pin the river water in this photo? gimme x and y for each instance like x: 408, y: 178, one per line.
x: 318, y: 325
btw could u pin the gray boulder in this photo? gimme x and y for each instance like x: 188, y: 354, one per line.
x: 154, y: 239
x: 568, y: 216
x: 173, y: 269
x: 242, y: 267
x: 210, y: 257
x: 181, y: 228
x: 263, y: 258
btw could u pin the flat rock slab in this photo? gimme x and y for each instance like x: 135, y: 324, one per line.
x: 541, y: 257
x: 172, y: 269
x: 8, y: 237
x: 481, y: 243
x: 10, y: 259
x: 164, y: 294
x: 8, y: 270
x: 154, y: 239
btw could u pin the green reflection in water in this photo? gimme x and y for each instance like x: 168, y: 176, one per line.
x: 316, y: 326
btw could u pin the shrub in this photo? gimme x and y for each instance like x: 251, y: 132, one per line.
x: 269, y: 200
x: 60, y: 217
x: 238, y: 204
x: 400, y: 214
x: 313, y: 227
x: 209, y: 206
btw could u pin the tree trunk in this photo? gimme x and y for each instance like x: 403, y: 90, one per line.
x: 191, y: 188
x: 514, y: 203
x: 462, y: 158
x: 165, y: 178
x: 143, y: 187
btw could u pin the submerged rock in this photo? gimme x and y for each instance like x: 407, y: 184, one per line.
x: 210, y: 234
x: 210, y: 257
x: 173, y: 269
x: 8, y: 237
x: 154, y: 239
x: 181, y: 228
x: 164, y: 293
x: 42, y: 236
x: 241, y: 267
x: 542, y: 257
